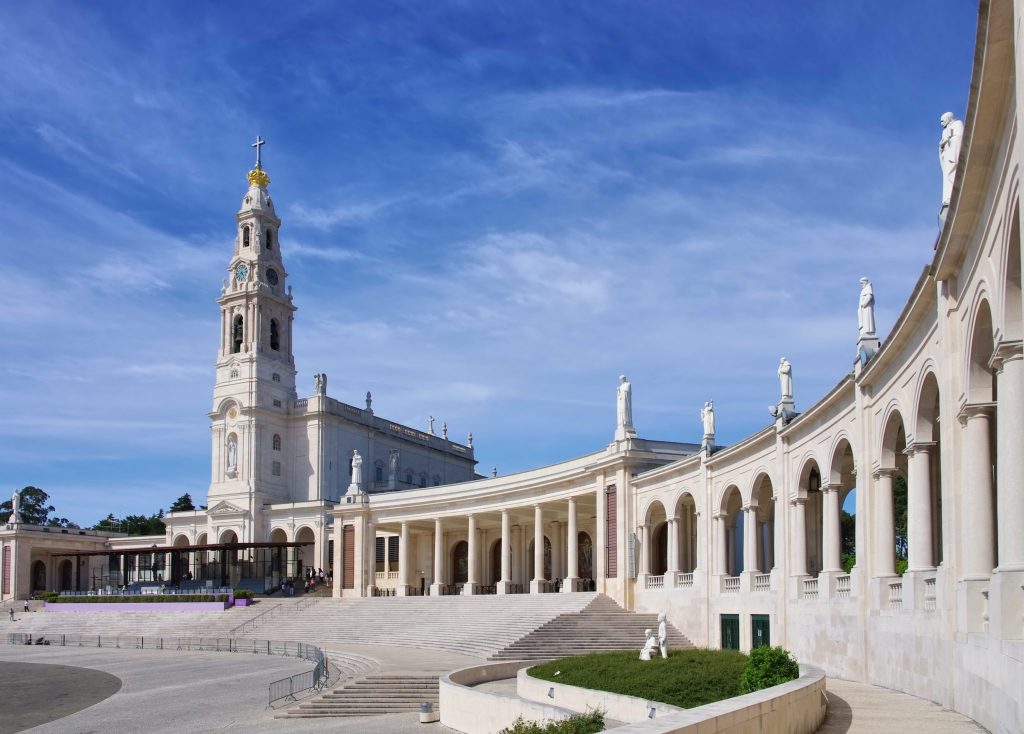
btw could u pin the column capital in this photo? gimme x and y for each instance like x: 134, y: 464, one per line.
x: 798, y: 500
x: 971, y: 411
x: 1005, y: 351
x: 831, y: 487
x: 883, y: 472
x: 919, y: 447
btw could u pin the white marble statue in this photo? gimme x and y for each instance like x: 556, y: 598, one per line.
x: 663, y: 634
x: 444, y: 430
x: 949, y: 152
x: 15, y: 508
x: 320, y: 383
x: 866, y: 313
x: 232, y: 454
x: 357, y: 469
x: 707, y: 417
x: 469, y: 440
x: 369, y: 401
x: 624, y: 409
x: 786, y: 379
x: 430, y: 425
x: 394, y: 456
x: 650, y: 644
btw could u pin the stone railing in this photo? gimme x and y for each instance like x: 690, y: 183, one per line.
x: 730, y: 584
x: 654, y: 582
x: 843, y: 587
x: 762, y: 582
x: 810, y: 588
x: 684, y: 579
x: 929, y: 594
x: 896, y: 595
x: 301, y: 403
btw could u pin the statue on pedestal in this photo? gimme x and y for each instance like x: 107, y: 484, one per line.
x: 469, y: 440
x: 357, y: 470
x: 232, y: 454
x: 320, y: 383
x: 369, y: 402
x: 866, y: 312
x: 15, y: 508
x: 624, y: 410
x: 707, y: 417
x: 786, y: 380
x: 430, y: 425
x: 444, y: 430
x: 949, y: 153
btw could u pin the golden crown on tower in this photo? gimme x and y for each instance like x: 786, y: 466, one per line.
x: 258, y: 177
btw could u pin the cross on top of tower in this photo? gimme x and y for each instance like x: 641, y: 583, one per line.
x: 260, y: 142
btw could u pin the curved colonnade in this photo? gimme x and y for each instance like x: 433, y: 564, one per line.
x: 745, y: 545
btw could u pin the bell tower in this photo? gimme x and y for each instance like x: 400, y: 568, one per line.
x: 255, y: 386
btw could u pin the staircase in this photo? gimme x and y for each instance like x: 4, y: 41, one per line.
x: 601, y: 626
x: 371, y: 695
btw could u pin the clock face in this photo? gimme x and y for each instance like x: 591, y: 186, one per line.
x: 271, y: 276
x: 241, y: 272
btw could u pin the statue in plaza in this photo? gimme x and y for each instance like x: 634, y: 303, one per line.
x: 786, y: 380
x: 663, y: 634
x: 15, y: 508
x: 650, y: 644
x: 707, y: 418
x: 624, y: 409
x: 949, y: 153
x: 232, y: 454
x: 866, y: 312
x: 357, y: 469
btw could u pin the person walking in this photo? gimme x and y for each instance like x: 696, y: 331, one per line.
x: 26, y: 606
x: 11, y: 611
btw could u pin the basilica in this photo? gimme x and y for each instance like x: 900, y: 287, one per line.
x: 739, y: 545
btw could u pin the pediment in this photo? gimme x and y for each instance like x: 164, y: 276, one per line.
x: 224, y: 508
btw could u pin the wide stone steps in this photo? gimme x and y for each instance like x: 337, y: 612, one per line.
x: 602, y: 626
x: 371, y: 695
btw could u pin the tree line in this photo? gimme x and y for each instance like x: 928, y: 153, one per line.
x: 36, y: 509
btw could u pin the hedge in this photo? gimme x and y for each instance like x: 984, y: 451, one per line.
x: 148, y: 599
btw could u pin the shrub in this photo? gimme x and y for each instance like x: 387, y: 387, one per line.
x: 148, y: 599
x: 588, y: 723
x: 50, y: 596
x: 243, y: 594
x: 849, y: 561
x: 768, y: 666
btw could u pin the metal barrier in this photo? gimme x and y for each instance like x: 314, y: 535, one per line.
x: 284, y: 688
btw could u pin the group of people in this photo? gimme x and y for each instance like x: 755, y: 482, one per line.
x: 313, y: 579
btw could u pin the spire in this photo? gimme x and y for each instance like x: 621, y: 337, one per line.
x: 257, y: 176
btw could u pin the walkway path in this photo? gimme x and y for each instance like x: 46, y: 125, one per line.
x: 856, y: 708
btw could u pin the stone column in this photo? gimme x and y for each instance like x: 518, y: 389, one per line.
x: 600, y: 538
x: 673, y: 547
x: 1009, y: 366
x: 831, y: 532
x: 556, y: 550
x: 370, y: 558
x: 339, y: 558
x: 721, y: 565
x: 571, y: 582
x: 403, y: 561
x: 645, y: 549
x: 919, y: 507
x: 978, y: 518
x: 800, y: 536
x: 750, y: 539
x: 505, y: 579
x: 885, y: 528
x: 517, y: 553
x: 537, y: 585
x: 471, y: 558
x: 438, y: 580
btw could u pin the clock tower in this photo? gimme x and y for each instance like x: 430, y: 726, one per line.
x: 255, y: 386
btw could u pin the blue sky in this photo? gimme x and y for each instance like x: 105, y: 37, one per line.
x: 491, y: 210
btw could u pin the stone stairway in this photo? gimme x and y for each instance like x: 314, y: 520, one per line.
x: 478, y: 626
x: 603, y: 625
x: 372, y: 695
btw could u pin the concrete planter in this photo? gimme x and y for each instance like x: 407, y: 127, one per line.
x: 243, y: 602
x: 185, y: 606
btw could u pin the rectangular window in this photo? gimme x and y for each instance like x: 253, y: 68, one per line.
x: 276, y: 377
x: 348, y: 557
x: 277, y: 403
x: 760, y: 631
x: 380, y: 474
x: 393, y: 549
x: 730, y: 631
x: 330, y: 553
x: 611, y: 527
x: 379, y: 555
x: 275, y: 468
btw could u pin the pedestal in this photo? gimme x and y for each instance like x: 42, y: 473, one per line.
x: 402, y: 590
x: 571, y: 585
x: 469, y: 589
x: 538, y: 586
x: 436, y: 589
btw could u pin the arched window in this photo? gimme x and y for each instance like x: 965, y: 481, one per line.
x: 277, y: 442
x: 275, y: 339
x: 245, y: 236
x: 236, y: 334
x: 270, y: 239
x: 379, y: 473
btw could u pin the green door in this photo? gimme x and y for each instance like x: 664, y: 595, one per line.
x: 760, y: 630
x: 730, y: 632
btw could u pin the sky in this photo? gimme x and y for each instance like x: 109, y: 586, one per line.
x: 490, y: 211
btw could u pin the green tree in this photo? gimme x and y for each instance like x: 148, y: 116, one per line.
x: 34, y: 510
x: 133, y: 524
x: 182, y: 504
x: 899, y: 510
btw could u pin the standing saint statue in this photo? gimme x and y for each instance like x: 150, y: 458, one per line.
x: 15, y: 508
x: 393, y: 459
x: 866, y: 313
x: 430, y: 425
x: 624, y: 410
x: 707, y: 417
x: 232, y: 454
x: 444, y: 430
x: 786, y: 380
x: 949, y: 152
x: 357, y: 469
x: 369, y: 402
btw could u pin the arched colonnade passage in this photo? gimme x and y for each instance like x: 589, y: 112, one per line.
x: 485, y: 552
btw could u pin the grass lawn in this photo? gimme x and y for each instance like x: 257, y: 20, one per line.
x: 687, y: 678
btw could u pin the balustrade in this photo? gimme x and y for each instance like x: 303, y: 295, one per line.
x: 843, y: 587
x: 811, y: 588
x: 684, y: 579
x: 896, y: 595
x: 654, y: 582
x: 730, y: 584
x: 762, y: 582
x: 929, y: 594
